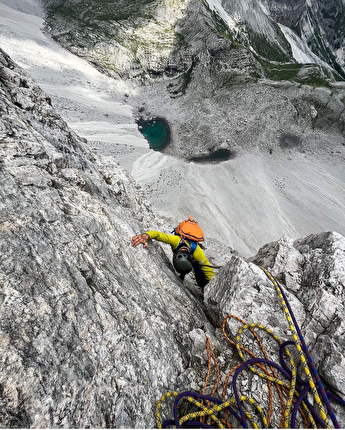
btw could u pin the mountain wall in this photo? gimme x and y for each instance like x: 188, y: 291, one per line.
x: 318, y: 24
x: 216, y: 71
x: 94, y: 332
x: 82, y: 331
x: 160, y: 38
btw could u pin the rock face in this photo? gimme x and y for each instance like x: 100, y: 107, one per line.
x: 313, y: 275
x: 313, y: 269
x: 85, y: 318
x: 156, y: 38
x: 93, y: 332
x: 316, y: 22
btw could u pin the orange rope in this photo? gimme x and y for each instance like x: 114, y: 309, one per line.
x: 212, y: 358
x: 210, y: 353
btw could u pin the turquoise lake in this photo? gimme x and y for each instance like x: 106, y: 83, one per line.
x: 156, y: 132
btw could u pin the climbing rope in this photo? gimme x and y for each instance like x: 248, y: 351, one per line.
x: 269, y: 414
x: 303, y: 351
x: 234, y: 410
x: 210, y: 353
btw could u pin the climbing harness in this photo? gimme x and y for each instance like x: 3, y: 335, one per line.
x: 231, y: 411
x: 191, y: 246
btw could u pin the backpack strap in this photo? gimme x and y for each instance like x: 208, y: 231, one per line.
x: 191, y: 245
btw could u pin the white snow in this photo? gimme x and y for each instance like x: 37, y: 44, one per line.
x: 216, y: 6
x: 301, y: 53
x: 243, y: 202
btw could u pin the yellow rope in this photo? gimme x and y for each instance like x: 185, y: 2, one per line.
x: 159, y: 406
x: 291, y: 387
x: 261, y: 365
x: 300, y: 351
x: 288, y: 388
x: 219, y: 407
x: 204, y: 412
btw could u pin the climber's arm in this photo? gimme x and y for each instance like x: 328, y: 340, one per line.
x: 200, y: 257
x: 157, y: 235
x: 171, y: 239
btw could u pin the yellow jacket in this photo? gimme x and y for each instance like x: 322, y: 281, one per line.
x: 174, y: 241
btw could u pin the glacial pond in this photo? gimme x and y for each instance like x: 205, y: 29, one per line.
x: 156, y: 132
x: 215, y: 157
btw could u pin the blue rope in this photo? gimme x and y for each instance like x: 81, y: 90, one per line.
x: 302, y: 388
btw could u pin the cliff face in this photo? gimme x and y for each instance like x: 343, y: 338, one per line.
x: 154, y: 38
x: 93, y: 332
x: 311, y: 271
x: 90, y: 332
x: 320, y: 25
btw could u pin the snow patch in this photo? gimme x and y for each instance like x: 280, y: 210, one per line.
x: 301, y: 53
x: 217, y: 7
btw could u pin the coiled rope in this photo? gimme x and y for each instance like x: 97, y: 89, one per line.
x: 302, y: 349
x: 237, y: 410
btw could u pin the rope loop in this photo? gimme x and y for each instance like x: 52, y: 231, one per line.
x: 301, y: 401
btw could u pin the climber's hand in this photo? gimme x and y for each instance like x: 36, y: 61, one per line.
x: 140, y: 238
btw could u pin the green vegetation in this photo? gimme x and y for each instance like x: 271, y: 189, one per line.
x: 185, y: 80
x: 100, y: 10
x: 339, y: 21
x: 221, y: 27
x: 265, y: 49
x: 280, y: 72
x: 318, y: 46
x: 315, y: 76
x: 179, y: 42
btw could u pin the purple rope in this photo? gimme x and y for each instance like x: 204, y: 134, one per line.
x: 243, y: 366
x: 301, y: 387
x: 194, y: 424
x: 310, y: 360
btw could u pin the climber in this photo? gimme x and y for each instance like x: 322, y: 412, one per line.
x: 188, y: 254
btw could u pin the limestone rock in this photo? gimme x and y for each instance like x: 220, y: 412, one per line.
x: 313, y: 275
x: 92, y: 331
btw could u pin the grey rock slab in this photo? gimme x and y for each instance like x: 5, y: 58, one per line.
x: 93, y: 332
